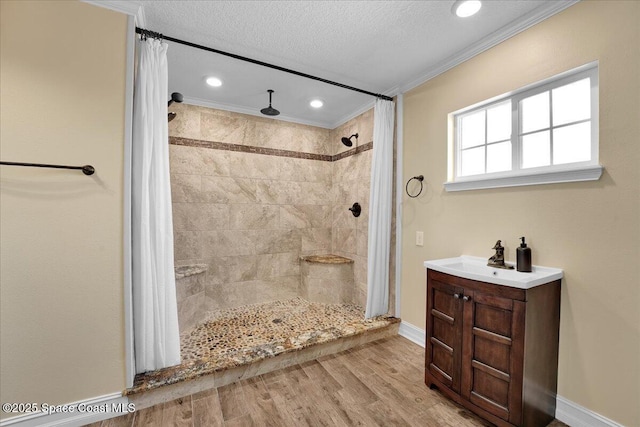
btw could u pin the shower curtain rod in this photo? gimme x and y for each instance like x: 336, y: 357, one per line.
x: 255, y: 61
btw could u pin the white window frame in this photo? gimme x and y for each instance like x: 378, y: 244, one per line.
x: 570, y: 172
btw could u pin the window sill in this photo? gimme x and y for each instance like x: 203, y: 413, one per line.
x: 585, y: 173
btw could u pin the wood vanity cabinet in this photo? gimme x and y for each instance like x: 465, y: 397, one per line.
x: 494, y: 349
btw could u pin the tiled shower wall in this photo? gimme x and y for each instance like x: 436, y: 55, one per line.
x: 249, y: 216
x: 246, y: 208
x: 351, y: 183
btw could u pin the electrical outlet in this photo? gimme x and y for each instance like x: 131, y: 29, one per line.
x: 419, y: 238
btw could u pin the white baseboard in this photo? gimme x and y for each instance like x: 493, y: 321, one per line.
x: 566, y: 411
x: 78, y: 413
x: 412, y: 333
x: 578, y: 416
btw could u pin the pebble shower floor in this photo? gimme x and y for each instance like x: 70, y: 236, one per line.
x: 242, y: 335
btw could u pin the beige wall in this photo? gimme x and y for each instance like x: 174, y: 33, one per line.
x: 63, y: 97
x: 590, y: 229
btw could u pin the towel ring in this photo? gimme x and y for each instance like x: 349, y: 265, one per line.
x: 420, y: 178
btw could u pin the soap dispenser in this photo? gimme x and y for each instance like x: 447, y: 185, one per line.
x: 523, y: 257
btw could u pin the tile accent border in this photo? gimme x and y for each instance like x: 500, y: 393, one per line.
x: 175, y: 140
x: 359, y: 149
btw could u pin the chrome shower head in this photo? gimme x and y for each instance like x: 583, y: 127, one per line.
x: 270, y: 111
x: 347, y: 141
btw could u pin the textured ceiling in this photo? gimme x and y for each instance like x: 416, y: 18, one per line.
x: 379, y: 46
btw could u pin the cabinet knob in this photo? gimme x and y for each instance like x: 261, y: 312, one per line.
x: 466, y: 298
x: 456, y: 296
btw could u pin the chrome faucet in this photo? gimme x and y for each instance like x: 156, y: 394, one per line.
x: 497, y: 261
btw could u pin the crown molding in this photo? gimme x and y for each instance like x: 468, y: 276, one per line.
x: 244, y: 110
x: 132, y: 8
x: 250, y: 111
x: 136, y: 9
x: 527, y: 21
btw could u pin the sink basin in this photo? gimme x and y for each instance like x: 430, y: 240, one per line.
x: 476, y: 268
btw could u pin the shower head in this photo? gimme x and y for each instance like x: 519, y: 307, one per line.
x: 176, y: 97
x: 270, y: 111
x: 347, y: 141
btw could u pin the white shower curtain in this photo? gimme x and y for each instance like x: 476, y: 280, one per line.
x: 155, y: 312
x: 380, y: 209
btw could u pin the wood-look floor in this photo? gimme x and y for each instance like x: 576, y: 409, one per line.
x: 377, y: 384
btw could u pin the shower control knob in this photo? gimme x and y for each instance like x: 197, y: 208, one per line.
x: 356, y: 209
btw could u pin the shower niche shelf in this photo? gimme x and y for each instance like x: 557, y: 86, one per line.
x: 190, y: 294
x: 327, y: 279
x: 183, y: 271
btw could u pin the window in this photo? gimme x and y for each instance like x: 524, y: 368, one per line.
x: 544, y: 133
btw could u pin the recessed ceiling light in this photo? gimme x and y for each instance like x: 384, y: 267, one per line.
x: 214, y: 81
x: 316, y: 103
x: 466, y: 8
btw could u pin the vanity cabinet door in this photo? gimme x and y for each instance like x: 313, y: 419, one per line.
x: 476, y: 346
x: 444, y: 333
x: 492, y: 354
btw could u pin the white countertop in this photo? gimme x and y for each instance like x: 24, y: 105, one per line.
x: 476, y: 268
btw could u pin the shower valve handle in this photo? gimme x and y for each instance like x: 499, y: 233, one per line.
x: 356, y: 209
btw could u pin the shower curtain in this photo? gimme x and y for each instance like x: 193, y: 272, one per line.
x: 155, y: 311
x: 380, y: 209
